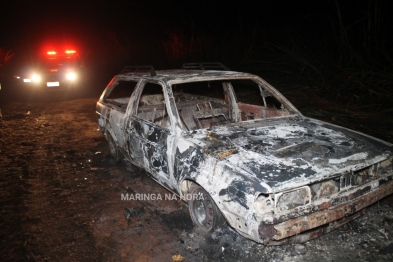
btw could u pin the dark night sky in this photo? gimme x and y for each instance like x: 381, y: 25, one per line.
x: 29, y: 22
x: 98, y: 27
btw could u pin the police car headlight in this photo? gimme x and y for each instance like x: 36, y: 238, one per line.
x: 71, y: 76
x: 35, y: 78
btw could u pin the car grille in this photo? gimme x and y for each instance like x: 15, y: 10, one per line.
x: 354, y: 178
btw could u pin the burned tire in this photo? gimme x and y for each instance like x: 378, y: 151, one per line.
x: 204, y: 212
x: 113, y: 149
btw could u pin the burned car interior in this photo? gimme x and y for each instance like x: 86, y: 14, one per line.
x: 205, y: 104
x: 201, y: 104
x: 119, y: 95
x: 152, y: 107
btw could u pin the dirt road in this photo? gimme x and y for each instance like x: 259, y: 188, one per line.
x: 60, y: 200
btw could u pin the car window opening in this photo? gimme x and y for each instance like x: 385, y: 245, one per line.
x: 151, y: 106
x: 206, y: 104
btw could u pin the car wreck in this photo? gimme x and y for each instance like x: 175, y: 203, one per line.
x: 272, y: 174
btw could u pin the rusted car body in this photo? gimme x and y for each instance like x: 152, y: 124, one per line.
x: 275, y: 175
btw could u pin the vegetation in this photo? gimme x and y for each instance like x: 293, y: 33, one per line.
x: 347, y: 60
x: 5, y: 57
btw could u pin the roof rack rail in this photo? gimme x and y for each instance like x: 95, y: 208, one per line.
x: 136, y: 69
x: 204, y: 66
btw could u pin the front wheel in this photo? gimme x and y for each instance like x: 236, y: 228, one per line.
x: 204, y: 212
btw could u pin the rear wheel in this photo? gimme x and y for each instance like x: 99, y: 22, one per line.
x: 204, y: 212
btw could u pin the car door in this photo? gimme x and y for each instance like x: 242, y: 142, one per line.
x: 148, y: 130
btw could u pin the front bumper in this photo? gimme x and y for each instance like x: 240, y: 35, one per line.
x: 329, y: 216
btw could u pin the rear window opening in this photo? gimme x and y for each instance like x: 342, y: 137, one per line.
x: 120, y: 93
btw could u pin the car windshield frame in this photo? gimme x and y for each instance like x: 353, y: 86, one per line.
x: 289, y: 108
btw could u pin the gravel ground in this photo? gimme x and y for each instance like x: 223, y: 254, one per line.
x: 60, y: 200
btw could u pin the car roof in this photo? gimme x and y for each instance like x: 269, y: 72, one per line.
x: 184, y: 75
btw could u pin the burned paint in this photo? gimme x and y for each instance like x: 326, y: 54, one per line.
x: 237, y: 192
x: 272, y: 172
x: 187, y: 162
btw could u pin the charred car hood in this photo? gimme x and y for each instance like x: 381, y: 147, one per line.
x: 291, y: 151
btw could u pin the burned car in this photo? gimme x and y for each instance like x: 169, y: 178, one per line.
x: 272, y: 174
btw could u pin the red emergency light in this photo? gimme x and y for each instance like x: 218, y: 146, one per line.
x: 68, y: 52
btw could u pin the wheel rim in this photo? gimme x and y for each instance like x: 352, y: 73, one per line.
x: 203, y: 210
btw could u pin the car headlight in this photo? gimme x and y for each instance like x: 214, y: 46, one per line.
x: 263, y: 203
x: 71, y: 76
x: 292, y: 199
x: 35, y: 78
